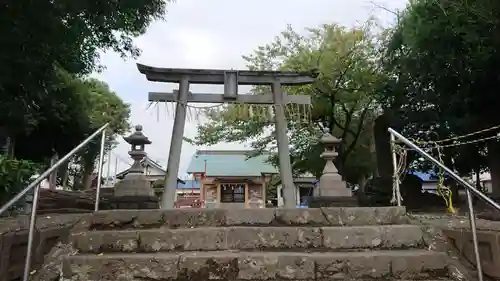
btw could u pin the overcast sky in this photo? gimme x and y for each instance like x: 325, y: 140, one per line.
x: 214, y: 34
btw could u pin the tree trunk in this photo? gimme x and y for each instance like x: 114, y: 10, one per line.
x: 88, y: 162
x: 4, y: 142
x: 87, y: 181
x: 64, y: 174
x: 383, y: 146
x: 53, y: 175
x: 87, y: 177
x: 10, y: 147
x: 494, y: 165
x: 478, y: 178
x: 362, y: 182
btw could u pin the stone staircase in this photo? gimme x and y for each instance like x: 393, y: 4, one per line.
x: 252, y: 244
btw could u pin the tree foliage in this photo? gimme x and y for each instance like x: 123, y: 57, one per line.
x: 61, y: 121
x: 47, y: 103
x: 14, y: 176
x: 46, y: 37
x: 101, y: 106
x: 443, y: 56
x: 343, y: 99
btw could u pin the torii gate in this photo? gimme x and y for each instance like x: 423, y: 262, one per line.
x: 231, y: 79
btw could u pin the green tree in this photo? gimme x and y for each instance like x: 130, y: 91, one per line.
x: 343, y: 99
x: 102, y: 106
x: 14, y: 176
x: 45, y: 36
x: 444, y: 59
x: 62, y: 122
x: 82, y: 106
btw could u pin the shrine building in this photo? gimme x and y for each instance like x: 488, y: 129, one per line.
x: 153, y: 172
x: 231, y: 178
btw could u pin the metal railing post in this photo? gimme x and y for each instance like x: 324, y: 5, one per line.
x: 472, y: 222
x: 446, y: 169
x: 49, y: 171
x: 395, y: 175
x: 468, y: 187
x: 31, y: 234
x: 35, y: 186
x: 99, y: 171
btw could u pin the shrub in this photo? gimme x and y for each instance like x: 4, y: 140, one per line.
x: 14, y: 176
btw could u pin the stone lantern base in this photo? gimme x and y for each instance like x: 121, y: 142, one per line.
x: 332, y: 192
x: 133, y: 202
x: 332, y: 201
x: 134, y: 192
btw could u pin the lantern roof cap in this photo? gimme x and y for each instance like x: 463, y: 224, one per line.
x: 137, y: 137
x: 328, y: 138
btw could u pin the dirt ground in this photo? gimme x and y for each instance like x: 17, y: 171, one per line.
x: 448, y: 221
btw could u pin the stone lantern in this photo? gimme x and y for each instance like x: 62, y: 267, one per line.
x: 332, y: 191
x: 137, y: 141
x: 135, y: 191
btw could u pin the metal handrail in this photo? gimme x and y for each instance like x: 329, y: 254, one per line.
x: 36, y: 186
x: 99, y: 171
x: 468, y: 189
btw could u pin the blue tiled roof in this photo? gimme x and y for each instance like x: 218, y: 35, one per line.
x: 429, y: 176
x: 230, y: 163
x: 190, y: 184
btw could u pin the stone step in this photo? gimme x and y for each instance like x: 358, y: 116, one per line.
x: 229, y: 265
x: 189, y: 218
x: 250, y: 238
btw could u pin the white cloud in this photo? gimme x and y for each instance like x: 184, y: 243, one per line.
x: 214, y: 34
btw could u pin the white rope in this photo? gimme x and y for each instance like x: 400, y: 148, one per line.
x: 400, y: 172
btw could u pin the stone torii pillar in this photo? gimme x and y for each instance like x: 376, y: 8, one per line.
x: 230, y: 79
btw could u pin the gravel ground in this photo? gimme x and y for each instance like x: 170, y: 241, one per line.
x: 448, y: 221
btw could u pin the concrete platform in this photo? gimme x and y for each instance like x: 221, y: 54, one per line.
x: 189, y: 218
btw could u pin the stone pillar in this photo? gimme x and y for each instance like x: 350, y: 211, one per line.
x: 135, y: 191
x: 289, y: 195
x: 332, y: 191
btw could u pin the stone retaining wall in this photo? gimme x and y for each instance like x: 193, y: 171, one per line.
x: 62, y: 201
x: 14, y: 241
x: 489, y: 248
x: 457, y: 231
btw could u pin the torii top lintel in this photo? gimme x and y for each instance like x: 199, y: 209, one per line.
x: 216, y: 76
